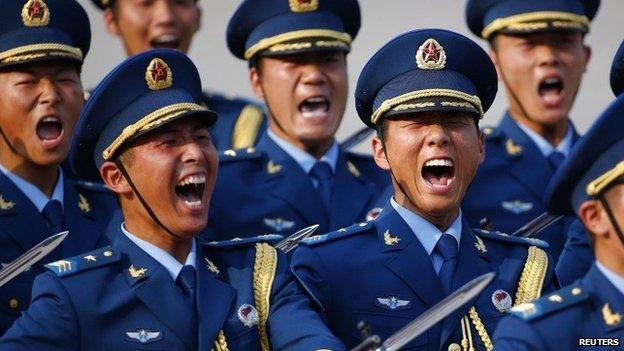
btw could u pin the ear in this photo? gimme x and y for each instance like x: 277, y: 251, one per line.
x: 481, y: 146
x: 114, y: 179
x: 594, y: 218
x: 111, y: 22
x: 588, y: 53
x: 494, y: 58
x: 379, y: 153
x: 256, y: 81
x: 198, y: 18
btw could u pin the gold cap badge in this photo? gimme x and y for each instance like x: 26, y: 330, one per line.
x: 35, y: 13
x: 303, y: 5
x: 158, y: 75
x: 431, y: 55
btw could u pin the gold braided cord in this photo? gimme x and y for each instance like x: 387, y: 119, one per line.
x: 599, y: 184
x: 289, y: 47
x: 331, y: 44
x: 148, y: 122
x: 299, y: 34
x: 263, y: 275
x: 483, y: 334
x: 403, y: 107
x: 27, y: 52
x: 506, y: 22
x: 426, y: 93
x: 246, y: 127
x: 220, y: 344
x: 532, y: 277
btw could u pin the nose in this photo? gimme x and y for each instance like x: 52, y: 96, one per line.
x: 193, y: 153
x: 164, y: 12
x: 547, y: 55
x: 49, y: 92
x: 313, y: 75
x: 437, y: 136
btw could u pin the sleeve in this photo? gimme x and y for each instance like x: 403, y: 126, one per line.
x: 514, y: 334
x: 308, y: 269
x: 50, y: 322
x: 577, y: 255
x: 293, y: 323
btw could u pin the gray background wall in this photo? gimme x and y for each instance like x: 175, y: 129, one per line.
x: 382, y: 20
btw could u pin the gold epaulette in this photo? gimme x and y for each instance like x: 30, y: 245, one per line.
x: 247, y: 127
x: 263, y: 275
x: 532, y: 277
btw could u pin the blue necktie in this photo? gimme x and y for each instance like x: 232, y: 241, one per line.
x: 322, y: 172
x: 447, y: 249
x: 555, y: 159
x: 53, y: 214
x: 187, y: 281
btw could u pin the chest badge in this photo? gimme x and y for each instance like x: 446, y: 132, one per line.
x: 389, y: 239
x: 373, y: 214
x: 517, y: 206
x: 501, y: 300
x: 143, y: 336
x: 393, y: 303
x: 248, y: 315
x: 279, y: 223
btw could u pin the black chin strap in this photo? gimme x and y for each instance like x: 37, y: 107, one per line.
x: 6, y: 140
x: 514, y: 96
x: 396, y: 181
x: 124, y: 172
x: 614, y: 223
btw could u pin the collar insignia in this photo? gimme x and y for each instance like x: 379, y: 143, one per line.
x: 273, y: 168
x: 431, y: 55
x: 143, y: 336
x: 279, y: 223
x: 211, y: 266
x: 158, y: 75
x: 83, y: 204
x: 389, y: 239
x: 248, y: 315
x: 610, y: 318
x: 136, y: 273
x: 513, y: 149
x: 35, y: 13
x: 393, y: 302
x: 517, y: 206
x: 303, y: 5
x: 480, y: 245
x: 354, y: 170
x: 6, y: 205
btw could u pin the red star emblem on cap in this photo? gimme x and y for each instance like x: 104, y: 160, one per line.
x: 35, y: 10
x: 159, y: 72
x: 432, y: 52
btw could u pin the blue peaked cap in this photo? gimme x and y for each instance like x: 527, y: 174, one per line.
x: 617, y: 72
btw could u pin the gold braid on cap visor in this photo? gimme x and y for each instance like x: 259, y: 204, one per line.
x: 149, y: 122
x: 390, y: 104
x: 599, y: 184
x: 267, y: 43
x: 535, y: 21
x: 30, y: 52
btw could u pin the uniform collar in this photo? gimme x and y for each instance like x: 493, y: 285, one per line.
x: 33, y: 193
x: 427, y: 233
x: 545, y: 147
x: 172, y: 265
x: 615, y: 279
x: 304, y: 159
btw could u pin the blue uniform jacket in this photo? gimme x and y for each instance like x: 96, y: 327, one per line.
x: 120, y: 298
x: 86, y: 212
x: 240, y: 121
x: 510, y: 184
x: 263, y: 190
x: 590, y: 308
x: 378, y: 271
x: 577, y: 256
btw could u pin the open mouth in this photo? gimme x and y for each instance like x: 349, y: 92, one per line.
x: 168, y: 41
x: 316, y: 106
x: 49, y: 129
x: 191, y: 190
x: 438, y: 172
x: 551, y: 90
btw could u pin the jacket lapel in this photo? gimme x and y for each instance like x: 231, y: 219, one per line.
x: 351, y: 193
x: 81, y: 219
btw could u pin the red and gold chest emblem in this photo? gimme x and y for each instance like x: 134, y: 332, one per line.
x: 35, y: 13
x: 158, y: 75
x: 303, y: 5
x: 431, y: 55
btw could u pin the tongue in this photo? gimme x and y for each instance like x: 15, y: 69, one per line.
x: 438, y: 180
x: 551, y: 95
x: 49, y: 130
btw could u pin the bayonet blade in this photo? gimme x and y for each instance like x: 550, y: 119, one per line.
x: 535, y: 226
x: 290, y: 243
x: 437, y: 313
x: 31, y: 257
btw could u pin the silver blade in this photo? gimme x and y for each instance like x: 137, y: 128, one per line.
x: 291, y: 242
x: 437, y: 313
x: 536, y: 225
x: 31, y: 257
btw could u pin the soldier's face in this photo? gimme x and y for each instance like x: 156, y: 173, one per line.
x: 40, y: 104
x: 433, y: 157
x: 542, y: 73
x: 174, y: 169
x: 306, y: 95
x: 148, y: 24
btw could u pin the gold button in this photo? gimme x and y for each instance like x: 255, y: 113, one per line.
x: 454, y: 347
x: 108, y: 253
x: 13, y: 303
x: 576, y: 291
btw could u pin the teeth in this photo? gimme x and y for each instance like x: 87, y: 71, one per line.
x: 193, y: 203
x: 552, y: 81
x: 439, y: 162
x: 50, y: 119
x: 167, y: 38
x: 194, y: 179
x: 316, y: 99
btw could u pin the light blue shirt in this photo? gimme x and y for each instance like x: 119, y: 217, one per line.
x: 34, y: 194
x: 615, y: 279
x: 304, y: 159
x: 427, y: 233
x: 172, y: 265
x: 545, y: 147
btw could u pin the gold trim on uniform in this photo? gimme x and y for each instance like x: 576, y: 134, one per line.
x: 148, y: 122
x: 290, y: 46
x: 532, y: 277
x: 158, y: 75
x: 246, y: 127
x: 263, y: 275
x: 220, y: 344
x: 517, y: 22
x: 34, y: 51
x: 426, y: 93
x: 599, y: 184
x: 295, y: 35
x: 35, y: 13
x: 483, y: 334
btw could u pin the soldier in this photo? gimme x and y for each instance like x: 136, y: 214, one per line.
x: 424, y: 92
x: 43, y: 46
x: 144, y: 25
x: 540, y: 55
x: 297, y: 175
x: 156, y: 285
x: 590, y: 183
x: 577, y: 255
